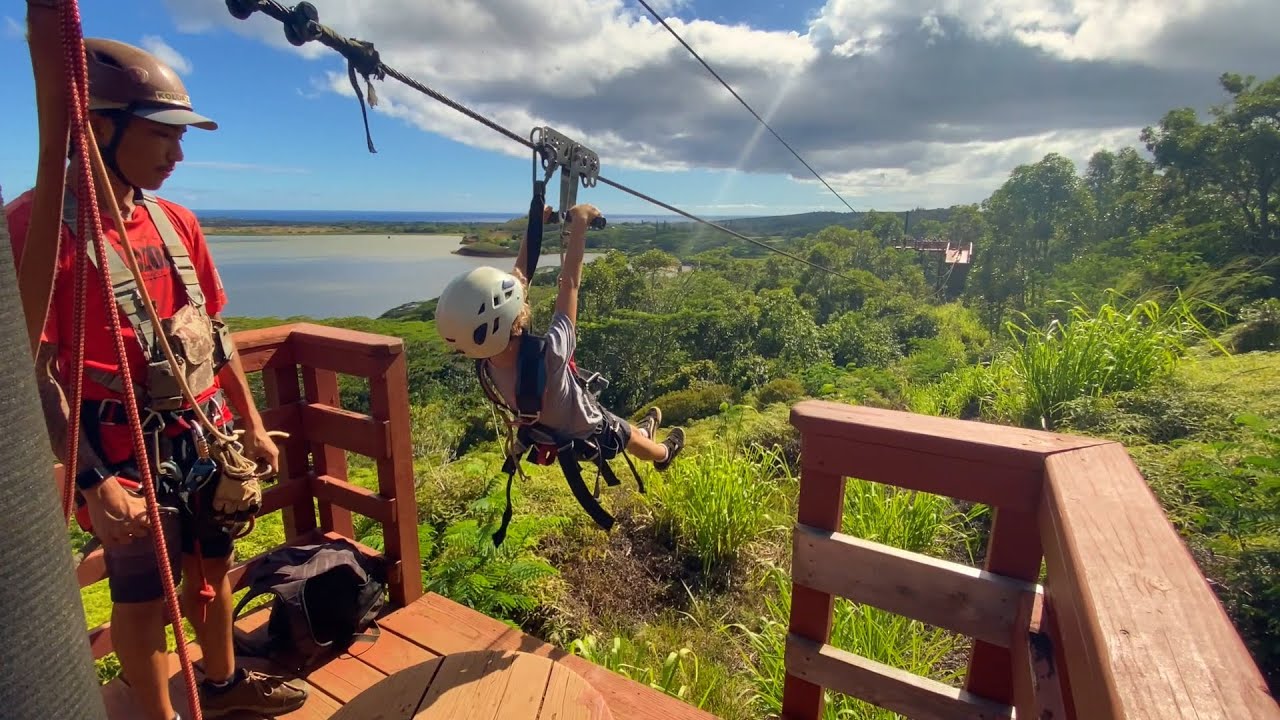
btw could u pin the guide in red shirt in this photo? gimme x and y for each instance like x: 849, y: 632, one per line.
x: 139, y: 111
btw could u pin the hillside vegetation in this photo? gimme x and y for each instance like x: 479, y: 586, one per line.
x: 1133, y: 298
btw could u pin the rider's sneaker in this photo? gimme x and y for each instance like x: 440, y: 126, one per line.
x: 252, y: 692
x: 650, y: 423
x: 674, y: 444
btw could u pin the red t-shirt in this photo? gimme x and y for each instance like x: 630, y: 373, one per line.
x: 162, y: 281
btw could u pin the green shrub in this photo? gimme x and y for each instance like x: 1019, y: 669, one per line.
x: 714, y: 503
x: 782, y: 390
x: 1120, y: 346
x: 684, y: 405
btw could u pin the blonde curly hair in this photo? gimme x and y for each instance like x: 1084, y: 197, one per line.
x: 522, y: 320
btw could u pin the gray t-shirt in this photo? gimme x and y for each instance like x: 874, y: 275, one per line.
x: 565, y: 406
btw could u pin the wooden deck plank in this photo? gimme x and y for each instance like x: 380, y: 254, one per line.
x: 564, y: 685
x: 443, y: 626
x: 393, y: 653
x: 529, y: 678
x: 426, y: 629
x: 445, y: 697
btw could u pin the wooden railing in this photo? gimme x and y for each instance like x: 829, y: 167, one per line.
x: 300, y: 365
x: 1123, y: 626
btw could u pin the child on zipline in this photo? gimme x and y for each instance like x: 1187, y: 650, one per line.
x: 484, y: 314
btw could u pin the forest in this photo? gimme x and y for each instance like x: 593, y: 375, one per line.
x: 1135, y: 298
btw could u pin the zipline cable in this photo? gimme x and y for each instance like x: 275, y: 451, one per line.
x: 726, y: 85
x: 301, y: 25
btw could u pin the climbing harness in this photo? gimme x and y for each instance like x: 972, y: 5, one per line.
x: 203, y: 343
x: 545, y: 444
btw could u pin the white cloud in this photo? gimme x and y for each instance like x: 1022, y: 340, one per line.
x: 13, y: 28
x: 894, y: 101
x: 158, y: 47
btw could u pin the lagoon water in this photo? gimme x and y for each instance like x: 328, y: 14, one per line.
x: 323, y: 276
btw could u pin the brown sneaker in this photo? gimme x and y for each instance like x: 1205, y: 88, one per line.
x: 253, y: 692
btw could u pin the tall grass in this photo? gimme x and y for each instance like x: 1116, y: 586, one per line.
x: 717, y: 501
x: 1122, y: 345
x: 881, y: 636
x: 913, y: 521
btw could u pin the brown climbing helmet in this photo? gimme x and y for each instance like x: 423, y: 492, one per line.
x: 128, y: 78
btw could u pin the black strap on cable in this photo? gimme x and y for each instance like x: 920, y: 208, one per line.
x: 355, y: 85
x: 533, y: 234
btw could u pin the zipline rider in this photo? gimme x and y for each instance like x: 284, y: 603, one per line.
x: 140, y: 111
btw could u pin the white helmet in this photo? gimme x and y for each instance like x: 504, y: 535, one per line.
x: 477, y: 309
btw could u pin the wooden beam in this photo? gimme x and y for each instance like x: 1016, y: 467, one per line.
x: 946, y: 594
x: 287, y: 493
x: 917, y: 468
x: 821, y: 505
x: 961, y: 439
x: 1013, y: 551
x: 1037, y: 684
x: 890, y: 688
x: 264, y: 348
x: 321, y: 386
x: 345, y: 351
x: 38, y: 262
x: 329, y: 425
x: 1144, y: 635
x: 389, y: 403
x: 340, y: 493
x: 283, y: 395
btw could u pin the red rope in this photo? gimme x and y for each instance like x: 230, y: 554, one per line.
x: 78, y: 97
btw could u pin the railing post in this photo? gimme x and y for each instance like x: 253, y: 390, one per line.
x: 821, y: 506
x: 280, y: 384
x: 1014, y: 551
x: 389, y: 402
x: 321, y: 386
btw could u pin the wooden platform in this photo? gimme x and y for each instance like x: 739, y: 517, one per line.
x: 428, y: 628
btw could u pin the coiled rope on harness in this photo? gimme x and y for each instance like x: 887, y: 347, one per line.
x: 88, y: 219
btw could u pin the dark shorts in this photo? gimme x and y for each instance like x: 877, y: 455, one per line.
x: 133, y: 573
x: 616, y: 435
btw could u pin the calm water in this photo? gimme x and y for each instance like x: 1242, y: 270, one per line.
x: 339, y: 275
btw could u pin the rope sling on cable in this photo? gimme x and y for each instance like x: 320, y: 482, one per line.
x: 577, y: 165
x: 301, y: 25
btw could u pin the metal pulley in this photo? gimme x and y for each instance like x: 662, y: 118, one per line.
x: 577, y: 164
x: 303, y: 24
x: 242, y: 9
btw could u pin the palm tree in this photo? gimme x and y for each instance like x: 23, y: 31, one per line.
x: 44, y: 650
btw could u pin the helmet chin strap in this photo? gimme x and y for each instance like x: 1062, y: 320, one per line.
x: 120, y: 122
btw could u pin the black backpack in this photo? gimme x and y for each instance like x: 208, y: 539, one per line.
x: 326, y: 597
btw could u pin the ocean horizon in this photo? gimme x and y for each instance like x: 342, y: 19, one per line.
x: 403, y: 216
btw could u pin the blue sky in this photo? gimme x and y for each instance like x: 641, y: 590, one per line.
x: 899, y: 104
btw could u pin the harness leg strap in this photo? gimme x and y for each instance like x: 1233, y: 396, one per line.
x: 573, y: 473
x: 501, y: 534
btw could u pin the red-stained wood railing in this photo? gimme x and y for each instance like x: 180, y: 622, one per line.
x: 300, y: 365
x: 1124, y: 626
